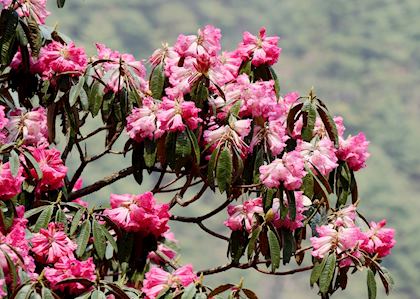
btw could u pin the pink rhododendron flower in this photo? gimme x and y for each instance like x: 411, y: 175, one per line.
x: 164, y: 249
x: 207, y: 41
x: 231, y: 62
x: 10, y: 185
x: 142, y: 123
x: 139, y: 213
x: 78, y: 186
x: 379, y: 240
x: 3, y: 123
x: 354, y: 150
x: 49, y: 245
x: 56, y: 58
x: 31, y: 126
x: 52, y: 167
x: 288, y: 170
x: 273, y: 135
x: 301, y: 201
x: 338, y: 240
x: 346, y: 216
x: 244, y: 213
x: 157, y: 280
x: 67, y: 268
x: 176, y: 115
x: 35, y: 8
x: 320, y: 154
x: 262, y: 49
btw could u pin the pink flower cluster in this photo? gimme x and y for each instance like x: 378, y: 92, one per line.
x: 301, y: 201
x: 66, y: 268
x: 164, y: 249
x: 353, y: 150
x: 289, y: 171
x: 3, y: 123
x: 158, y: 280
x: 243, y: 214
x: 10, y: 185
x: 35, y: 8
x: 49, y: 245
x: 139, y: 213
x: 320, y: 154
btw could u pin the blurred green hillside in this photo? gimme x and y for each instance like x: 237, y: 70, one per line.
x: 362, y: 56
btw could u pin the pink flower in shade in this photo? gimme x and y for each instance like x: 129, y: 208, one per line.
x: 320, y: 154
x: 69, y: 267
x: 142, y: 123
x: 288, y: 170
x: 164, y: 249
x: 346, y: 216
x: 175, y: 115
x: 301, y: 201
x: 56, y: 58
x: 379, y: 240
x: 157, y: 280
x: 338, y: 240
x: 121, y: 69
x: 3, y: 123
x: 30, y: 126
x: 78, y: 186
x: 10, y: 185
x: 207, y: 41
x: 35, y: 8
x: 139, y: 213
x: 52, y: 167
x: 262, y: 49
x: 49, y: 245
x: 244, y: 214
x: 273, y: 135
x: 354, y: 151
x: 3, y: 288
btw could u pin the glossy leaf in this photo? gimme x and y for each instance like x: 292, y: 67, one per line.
x: 44, y: 218
x: 274, y: 244
x: 327, y: 274
x: 371, y: 284
x: 83, y: 239
x: 189, y: 292
x: 99, y: 240
x: 224, y: 170
x: 157, y: 81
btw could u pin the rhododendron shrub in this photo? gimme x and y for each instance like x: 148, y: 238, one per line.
x: 203, y: 119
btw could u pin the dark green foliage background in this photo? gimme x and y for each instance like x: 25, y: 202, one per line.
x: 363, y: 57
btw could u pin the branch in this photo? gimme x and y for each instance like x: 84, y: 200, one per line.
x: 213, y: 233
x: 285, y: 272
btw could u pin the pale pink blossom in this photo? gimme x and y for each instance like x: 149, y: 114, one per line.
x: 273, y: 136
x: 10, y: 185
x: 287, y: 222
x: 207, y: 41
x: 379, y: 240
x: 31, y: 126
x: 52, y: 167
x: 346, y: 216
x: 49, y: 245
x: 35, y: 8
x: 354, y: 151
x: 139, y: 213
x: 67, y: 268
x: 142, y: 123
x: 244, y: 214
x: 176, y: 114
x: 320, y: 154
x: 56, y: 58
x: 157, y: 280
x: 288, y: 170
x: 262, y: 49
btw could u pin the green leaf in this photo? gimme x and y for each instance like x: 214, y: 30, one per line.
x: 95, y: 97
x: 34, y: 211
x: 34, y: 35
x: 9, y: 21
x: 99, y: 240
x: 276, y: 81
x: 254, y: 237
x: 60, y: 3
x: 109, y: 237
x: 274, y: 245
x: 75, y: 91
x: 224, y: 170
x: 307, y: 131
x: 157, y: 81
x: 183, y: 146
x: 34, y: 164
x: 211, y: 167
x: 14, y: 163
x: 371, y: 284
x: 150, y: 150
x: 194, y: 143
x: 76, y: 220
x: 329, y: 124
x: 97, y: 294
x: 12, y: 268
x: 60, y: 216
x: 288, y: 246
x: 317, y: 270
x: 291, y: 204
x: 189, y: 292
x: 84, y: 101
x: 327, y: 274
x: 83, y: 239
x: 24, y: 292
x: 44, y: 218
x: 46, y: 293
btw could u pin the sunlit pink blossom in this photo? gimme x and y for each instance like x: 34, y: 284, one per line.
x: 273, y: 135
x: 177, y: 114
x: 207, y: 41
x: 244, y: 214
x: 380, y: 240
x: 319, y: 154
x: 354, y: 150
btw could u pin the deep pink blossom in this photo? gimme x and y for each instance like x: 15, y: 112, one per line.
x: 67, y: 268
x: 262, y: 49
x: 244, y: 214
x: 142, y: 123
x: 379, y: 240
x: 30, y: 126
x: 139, y: 213
x: 177, y: 114
x: 77, y: 186
x: 10, y: 185
x: 49, y: 245
x: 56, y: 58
x: 52, y: 167
x: 3, y: 123
x: 157, y: 280
x: 35, y: 8
x: 354, y: 150
x: 288, y: 170
x: 301, y: 201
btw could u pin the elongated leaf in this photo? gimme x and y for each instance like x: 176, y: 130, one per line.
x: 317, y: 270
x: 289, y: 246
x: 249, y: 294
x: 137, y: 160
x: 276, y: 81
x: 327, y: 274
x: 46, y: 293
x: 75, y: 91
x: 291, y: 204
x: 194, y: 143
x: 97, y: 294
x: 44, y: 218
x: 35, y: 211
x: 60, y: 216
x: 254, y: 237
x: 274, y: 244
x: 60, y: 3
x: 150, y: 150
x: 95, y: 98
x: 291, y: 117
x: 189, y: 292
x: 33, y: 33
x: 157, y: 81
x: 371, y: 284
x: 307, y: 130
x: 109, y: 237
x: 99, y: 240
x: 76, y: 221
x: 14, y: 163
x: 220, y: 289
x: 224, y: 170
x: 211, y: 167
x: 183, y: 146
x: 9, y: 22
x: 83, y: 238
x: 329, y: 124
x: 12, y: 268
x: 24, y: 292
x: 34, y: 164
